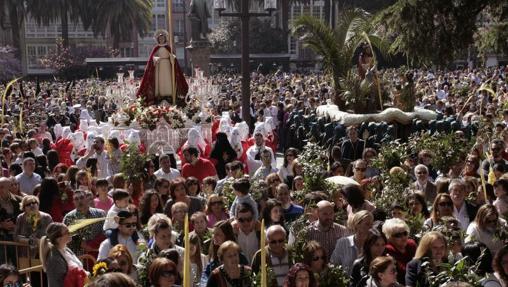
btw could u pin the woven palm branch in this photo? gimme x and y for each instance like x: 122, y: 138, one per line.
x: 80, y: 224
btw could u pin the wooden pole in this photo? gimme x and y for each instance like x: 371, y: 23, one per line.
x: 170, y: 26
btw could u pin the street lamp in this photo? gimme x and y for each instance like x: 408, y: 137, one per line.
x: 244, y: 15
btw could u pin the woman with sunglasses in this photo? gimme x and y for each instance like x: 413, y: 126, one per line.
x: 162, y: 273
x: 485, y: 226
x: 121, y: 255
x: 9, y: 277
x: 126, y: 233
x: 399, y: 246
x: 31, y: 224
x: 442, y: 207
x: 315, y: 257
x: 215, y: 210
x: 286, y: 170
x: 433, y: 249
x: 383, y: 273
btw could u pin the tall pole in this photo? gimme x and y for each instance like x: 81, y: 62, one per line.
x: 170, y: 26
x: 245, y: 61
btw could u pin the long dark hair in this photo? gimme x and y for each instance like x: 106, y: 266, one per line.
x: 372, y: 238
x: 221, y: 146
x: 290, y: 280
x: 354, y: 195
x: 144, y: 206
x: 49, y: 191
x: 226, y: 228
x: 271, y: 204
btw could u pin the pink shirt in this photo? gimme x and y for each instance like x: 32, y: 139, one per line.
x: 104, y: 205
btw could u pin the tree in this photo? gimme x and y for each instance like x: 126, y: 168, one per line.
x: 119, y: 18
x: 337, y: 46
x: 45, y: 12
x: 492, y: 36
x: 15, y: 12
x: 432, y: 31
x: 263, y: 38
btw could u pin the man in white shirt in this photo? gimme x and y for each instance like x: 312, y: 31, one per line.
x: 462, y: 210
x: 97, y: 152
x: 254, y: 152
x: 423, y: 183
x: 166, y: 171
x: 27, y: 180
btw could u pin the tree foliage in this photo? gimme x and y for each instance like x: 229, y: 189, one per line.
x: 337, y: 46
x: 263, y: 37
x: 69, y: 62
x: 11, y: 66
x: 432, y: 31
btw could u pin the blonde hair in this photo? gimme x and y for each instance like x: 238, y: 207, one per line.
x: 121, y: 250
x: 54, y: 231
x: 393, y: 225
x: 177, y: 205
x: 356, y: 218
x: 225, y: 247
x: 26, y: 199
x: 379, y: 265
x: 153, y: 221
x: 425, y: 244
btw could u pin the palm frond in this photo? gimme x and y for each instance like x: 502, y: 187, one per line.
x: 80, y: 224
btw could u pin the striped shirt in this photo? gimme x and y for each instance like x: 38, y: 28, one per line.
x: 327, y: 237
x: 85, y: 234
x: 280, y: 267
x: 345, y: 253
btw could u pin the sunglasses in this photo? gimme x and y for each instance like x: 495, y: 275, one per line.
x: 115, y: 270
x: 79, y: 197
x: 316, y: 258
x: 17, y: 284
x: 400, y: 234
x: 216, y: 203
x: 130, y: 225
x: 280, y: 241
x: 31, y: 203
x: 491, y: 221
x: 361, y: 168
x: 168, y: 273
x: 421, y: 172
x: 446, y: 204
x: 242, y: 220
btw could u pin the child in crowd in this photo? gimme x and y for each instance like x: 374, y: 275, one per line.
x: 102, y: 201
x: 501, y: 191
x: 241, y: 187
x: 121, y: 202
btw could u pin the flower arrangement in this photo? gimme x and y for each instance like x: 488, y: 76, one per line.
x: 148, y: 117
x: 99, y: 269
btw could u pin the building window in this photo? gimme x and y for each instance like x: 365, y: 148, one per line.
x: 35, y: 53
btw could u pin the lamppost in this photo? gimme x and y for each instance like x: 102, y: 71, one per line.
x: 244, y: 15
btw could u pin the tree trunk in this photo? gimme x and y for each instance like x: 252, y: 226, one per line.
x: 15, y: 28
x: 64, y: 15
x: 285, y: 15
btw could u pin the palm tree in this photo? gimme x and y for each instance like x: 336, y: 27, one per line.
x: 119, y: 18
x: 45, y: 12
x: 15, y: 11
x: 337, y: 46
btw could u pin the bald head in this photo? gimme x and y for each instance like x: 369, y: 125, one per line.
x: 5, y: 184
x: 323, y: 204
x: 326, y: 214
x: 274, y: 229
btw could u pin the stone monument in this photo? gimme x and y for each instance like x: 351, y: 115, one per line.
x: 199, y: 48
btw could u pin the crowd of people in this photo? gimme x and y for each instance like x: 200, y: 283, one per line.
x: 229, y: 184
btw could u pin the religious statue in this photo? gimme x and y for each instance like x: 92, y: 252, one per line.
x: 163, y: 79
x: 199, y: 15
x: 365, y: 60
x: 405, y: 98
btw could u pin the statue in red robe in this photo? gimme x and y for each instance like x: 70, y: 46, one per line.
x: 163, y: 79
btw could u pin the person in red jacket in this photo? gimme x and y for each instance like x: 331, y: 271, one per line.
x: 197, y: 166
